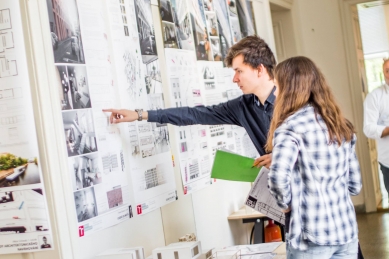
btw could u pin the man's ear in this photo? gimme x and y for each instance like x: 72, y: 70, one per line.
x: 260, y: 69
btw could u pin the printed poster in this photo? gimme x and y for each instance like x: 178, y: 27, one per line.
x: 24, y: 220
x: 139, y: 83
x: 95, y: 155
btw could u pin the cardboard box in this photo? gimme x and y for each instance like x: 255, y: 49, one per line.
x: 181, y: 250
x: 122, y: 253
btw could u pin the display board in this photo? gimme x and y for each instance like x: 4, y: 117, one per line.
x: 105, y: 55
x: 24, y: 219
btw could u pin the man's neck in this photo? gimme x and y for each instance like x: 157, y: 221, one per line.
x: 265, y: 90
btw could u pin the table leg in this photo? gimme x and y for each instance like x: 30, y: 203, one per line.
x: 259, y: 231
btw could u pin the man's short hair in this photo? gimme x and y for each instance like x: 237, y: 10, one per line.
x: 255, y: 52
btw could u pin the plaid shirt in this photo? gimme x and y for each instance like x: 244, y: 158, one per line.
x: 315, y: 179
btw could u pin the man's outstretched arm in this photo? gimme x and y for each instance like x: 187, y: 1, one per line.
x: 225, y: 113
x: 124, y: 115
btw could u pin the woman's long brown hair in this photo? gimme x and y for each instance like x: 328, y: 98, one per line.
x: 300, y: 82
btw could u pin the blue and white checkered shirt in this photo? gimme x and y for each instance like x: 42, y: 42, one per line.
x: 315, y: 179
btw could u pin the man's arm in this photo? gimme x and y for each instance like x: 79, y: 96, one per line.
x: 224, y: 113
x: 385, y: 132
x: 370, y: 119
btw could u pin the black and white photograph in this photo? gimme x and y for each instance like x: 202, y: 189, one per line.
x: 169, y: 35
x: 23, y: 211
x: 146, y: 33
x: 216, y: 51
x: 224, y: 28
x: 115, y: 197
x: 212, y: 24
x: 208, y: 5
x: 246, y: 18
x: 200, y: 33
x: 161, y: 138
x: 79, y: 132
x: 153, y: 79
x: 235, y: 27
x: 182, y: 23
x: 208, y: 72
x: 44, y: 242
x: 85, y: 203
x: 65, y: 95
x: 85, y: 171
x: 232, y: 8
x: 165, y: 9
x: 65, y: 31
x: 74, y: 88
x: 79, y: 88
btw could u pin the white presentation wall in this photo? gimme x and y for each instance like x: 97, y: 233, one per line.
x: 203, y: 212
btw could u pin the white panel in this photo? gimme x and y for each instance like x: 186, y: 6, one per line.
x: 211, y: 208
x: 263, y: 23
x: 373, y: 29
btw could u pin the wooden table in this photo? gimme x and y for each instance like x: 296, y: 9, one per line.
x: 248, y: 215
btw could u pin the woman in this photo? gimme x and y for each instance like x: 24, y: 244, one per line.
x: 314, y: 168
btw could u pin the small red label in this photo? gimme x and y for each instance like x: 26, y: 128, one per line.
x: 139, y: 209
x: 81, y: 231
x: 185, y: 190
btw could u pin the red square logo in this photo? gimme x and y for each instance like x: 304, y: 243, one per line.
x: 139, y: 209
x: 81, y: 231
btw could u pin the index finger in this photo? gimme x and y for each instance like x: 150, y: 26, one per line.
x: 111, y: 110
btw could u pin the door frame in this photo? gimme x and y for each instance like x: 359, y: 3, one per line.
x: 355, y: 91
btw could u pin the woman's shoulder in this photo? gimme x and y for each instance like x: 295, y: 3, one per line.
x: 300, y: 121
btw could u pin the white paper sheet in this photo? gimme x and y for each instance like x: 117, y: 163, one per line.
x: 260, y: 199
x: 24, y: 220
x: 139, y: 84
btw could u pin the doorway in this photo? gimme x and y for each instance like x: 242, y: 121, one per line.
x: 283, y: 30
x: 373, y: 21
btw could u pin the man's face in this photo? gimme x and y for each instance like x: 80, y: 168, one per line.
x: 245, y: 76
x: 386, y: 72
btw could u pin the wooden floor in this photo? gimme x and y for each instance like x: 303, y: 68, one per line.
x: 374, y: 233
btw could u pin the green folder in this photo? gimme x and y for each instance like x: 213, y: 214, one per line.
x: 233, y: 167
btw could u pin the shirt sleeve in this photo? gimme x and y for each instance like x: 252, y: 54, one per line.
x: 371, y: 115
x: 354, y: 178
x: 224, y: 113
x: 285, y: 152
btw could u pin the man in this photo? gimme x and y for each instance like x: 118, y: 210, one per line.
x: 253, y: 63
x: 45, y: 244
x: 376, y: 121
